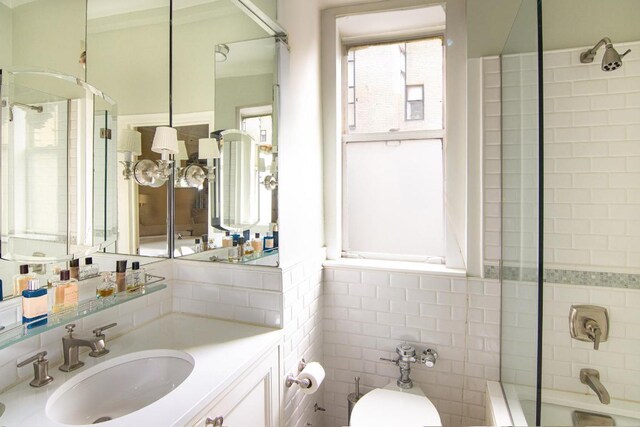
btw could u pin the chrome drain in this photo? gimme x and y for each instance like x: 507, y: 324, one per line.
x: 102, y: 420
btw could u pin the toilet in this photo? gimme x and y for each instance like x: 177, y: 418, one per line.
x: 392, y: 406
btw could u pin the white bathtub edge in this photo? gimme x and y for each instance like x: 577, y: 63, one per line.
x: 497, y: 411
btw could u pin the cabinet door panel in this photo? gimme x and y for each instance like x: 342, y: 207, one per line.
x: 253, y: 400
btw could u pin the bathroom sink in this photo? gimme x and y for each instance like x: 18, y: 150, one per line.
x: 119, y: 386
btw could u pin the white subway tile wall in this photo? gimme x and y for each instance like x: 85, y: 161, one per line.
x: 617, y: 359
x: 367, y: 313
x: 492, y: 138
x: 303, y: 338
x: 128, y: 316
x: 592, y: 159
x: 231, y: 292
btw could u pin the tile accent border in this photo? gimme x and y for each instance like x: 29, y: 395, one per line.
x: 565, y: 277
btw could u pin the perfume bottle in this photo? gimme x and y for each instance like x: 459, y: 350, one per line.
x: 198, y: 246
x: 107, y: 288
x: 248, y: 249
x: 234, y: 253
x: 66, y: 293
x: 34, y: 304
x: 268, y: 243
x: 121, y: 275
x: 240, y: 248
x: 89, y: 269
x: 135, y: 278
x: 256, y: 243
x: 20, y: 281
x: 53, y: 277
x: 74, y: 268
x: 205, y: 242
x: 276, y: 234
x: 227, y: 241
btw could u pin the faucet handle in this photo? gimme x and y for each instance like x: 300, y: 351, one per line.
x: 35, y: 358
x: 594, y: 332
x: 98, y: 331
x: 70, y: 327
x: 384, y: 359
x: 41, y: 375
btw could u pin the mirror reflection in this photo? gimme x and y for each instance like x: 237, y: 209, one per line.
x: 128, y: 57
x: 57, y: 157
x: 233, y: 168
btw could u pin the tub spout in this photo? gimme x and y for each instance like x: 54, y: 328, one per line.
x: 591, y: 377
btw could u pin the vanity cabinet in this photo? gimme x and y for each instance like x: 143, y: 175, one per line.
x: 252, y: 400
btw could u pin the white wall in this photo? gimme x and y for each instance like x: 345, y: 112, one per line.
x: 6, y: 32
x: 237, y: 92
x: 300, y: 146
x: 592, y: 163
x: 61, y: 24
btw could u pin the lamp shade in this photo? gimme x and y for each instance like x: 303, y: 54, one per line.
x: 130, y: 141
x: 165, y: 141
x: 182, y: 151
x: 208, y: 148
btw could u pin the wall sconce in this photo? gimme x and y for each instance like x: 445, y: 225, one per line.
x: 194, y: 175
x: 129, y: 143
x: 147, y: 172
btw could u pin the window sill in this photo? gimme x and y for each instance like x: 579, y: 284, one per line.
x: 395, y: 266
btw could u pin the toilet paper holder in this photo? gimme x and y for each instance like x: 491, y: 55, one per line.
x: 291, y: 379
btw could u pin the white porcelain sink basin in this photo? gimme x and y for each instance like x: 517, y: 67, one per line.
x: 119, y: 386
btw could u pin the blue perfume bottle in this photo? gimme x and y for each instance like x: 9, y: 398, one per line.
x: 34, y: 305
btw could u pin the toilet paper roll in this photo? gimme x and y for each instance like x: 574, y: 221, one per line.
x: 314, y: 372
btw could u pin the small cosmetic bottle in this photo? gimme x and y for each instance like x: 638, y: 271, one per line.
x: 107, y: 288
x: 74, y: 268
x: 234, y: 254
x: 121, y: 275
x: 34, y: 304
x: 135, y: 278
x: 268, y: 243
x: 89, y: 269
x: 248, y: 249
x: 256, y: 243
x: 53, y: 277
x: 66, y: 293
x: 197, y: 246
x: 240, y: 248
x: 205, y: 242
x: 227, y: 241
x: 21, y: 281
x: 276, y: 234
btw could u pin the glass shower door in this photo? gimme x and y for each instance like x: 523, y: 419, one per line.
x: 521, y: 216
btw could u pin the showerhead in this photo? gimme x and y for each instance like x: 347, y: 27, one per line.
x: 611, y: 60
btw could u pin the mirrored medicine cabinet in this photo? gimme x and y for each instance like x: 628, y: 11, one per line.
x: 209, y: 69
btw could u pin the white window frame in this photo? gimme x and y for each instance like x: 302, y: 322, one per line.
x: 461, y: 171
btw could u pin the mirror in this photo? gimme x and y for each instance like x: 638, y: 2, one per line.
x: 128, y: 57
x: 56, y: 159
x: 236, y: 59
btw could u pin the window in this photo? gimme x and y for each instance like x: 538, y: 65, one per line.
x: 393, y: 173
x: 415, y: 102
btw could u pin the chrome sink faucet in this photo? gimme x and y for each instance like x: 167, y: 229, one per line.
x: 71, y: 347
x: 407, y: 356
x: 591, y: 377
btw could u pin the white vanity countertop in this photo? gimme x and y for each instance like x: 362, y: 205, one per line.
x: 221, y: 350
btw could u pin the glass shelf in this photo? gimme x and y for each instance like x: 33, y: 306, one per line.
x: 11, y: 334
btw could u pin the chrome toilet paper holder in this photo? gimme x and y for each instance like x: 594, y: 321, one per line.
x: 292, y: 379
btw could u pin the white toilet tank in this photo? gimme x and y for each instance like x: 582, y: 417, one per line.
x: 394, y: 407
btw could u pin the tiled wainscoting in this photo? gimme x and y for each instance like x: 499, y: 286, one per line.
x: 368, y: 312
x: 231, y: 292
x: 303, y: 337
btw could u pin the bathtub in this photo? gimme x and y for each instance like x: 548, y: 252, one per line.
x: 514, y: 405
